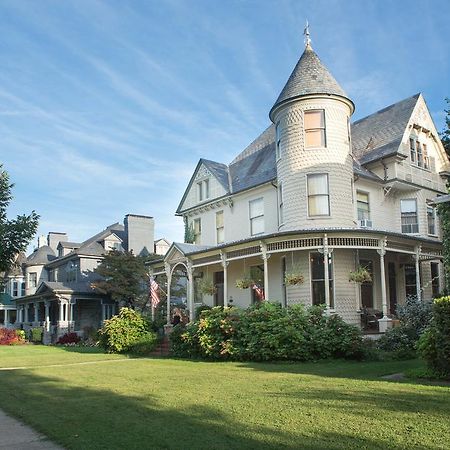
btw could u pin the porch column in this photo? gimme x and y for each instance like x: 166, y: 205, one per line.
x: 36, y: 313
x: 326, y: 252
x: 384, y: 322
x: 18, y: 314
x: 225, y: 263
x: 169, y: 282
x: 265, y: 258
x: 47, y: 316
x: 5, y: 318
x: 25, y: 319
x: 190, y: 274
x: 417, y: 260
x: 70, y: 315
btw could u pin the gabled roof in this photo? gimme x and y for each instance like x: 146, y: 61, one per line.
x: 69, y: 244
x: 83, y: 287
x: 379, y: 135
x: 310, y: 76
x: 219, y: 170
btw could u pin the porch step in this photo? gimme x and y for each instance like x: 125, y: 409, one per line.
x: 163, y: 348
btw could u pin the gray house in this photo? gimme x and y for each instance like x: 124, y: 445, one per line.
x: 58, y: 277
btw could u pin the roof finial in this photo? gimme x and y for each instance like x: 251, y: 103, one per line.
x: 306, y: 34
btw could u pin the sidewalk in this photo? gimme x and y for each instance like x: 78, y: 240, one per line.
x: 16, y: 436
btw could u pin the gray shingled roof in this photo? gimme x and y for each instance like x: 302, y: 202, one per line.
x: 69, y: 244
x: 189, y: 248
x: 379, y: 135
x: 265, y: 138
x: 219, y: 170
x: 57, y: 286
x: 42, y: 255
x: 310, y: 76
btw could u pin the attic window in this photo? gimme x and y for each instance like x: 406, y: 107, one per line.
x: 419, y: 153
x: 314, y: 124
x: 203, y: 190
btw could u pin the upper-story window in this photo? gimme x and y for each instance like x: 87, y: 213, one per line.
x: 315, y: 128
x: 15, y: 290
x: 362, y: 202
x: 32, y: 279
x: 431, y: 220
x: 197, y: 231
x: 318, y: 194
x: 203, y: 190
x: 220, y: 228
x: 280, y: 203
x: 22, y: 291
x: 277, y: 141
x: 419, y: 153
x: 256, y: 209
x: 408, y: 208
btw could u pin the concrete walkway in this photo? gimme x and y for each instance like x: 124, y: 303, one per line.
x: 14, y: 435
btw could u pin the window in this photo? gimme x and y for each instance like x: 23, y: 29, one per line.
x: 32, y: 279
x: 362, y: 203
x: 15, y: 292
x: 278, y: 141
x: 435, y: 279
x: 117, y: 246
x: 412, y: 148
x: 419, y: 154
x: 426, y: 159
x: 197, y: 231
x: 220, y: 228
x: 431, y: 219
x: 318, y: 197
x: 408, y: 209
x: 410, y: 280
x: 280, y: 203
x: 318, y: 278
x: 315, y: 128
x: 256, y: 208
x: 203, y: 190
x: 23, y: 289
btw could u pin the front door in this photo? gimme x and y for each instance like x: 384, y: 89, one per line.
x: 392, y: 288
x: 218, y: 282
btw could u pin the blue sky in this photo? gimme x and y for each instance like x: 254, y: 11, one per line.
x: 106, y: 106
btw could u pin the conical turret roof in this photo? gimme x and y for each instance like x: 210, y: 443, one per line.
x: 309, y: 77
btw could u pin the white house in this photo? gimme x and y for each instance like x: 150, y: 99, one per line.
x: 320, y: 196
x: 59, y: 273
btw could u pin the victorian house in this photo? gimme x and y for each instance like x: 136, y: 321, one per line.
x: 58, y: 275
x: 314, y: 198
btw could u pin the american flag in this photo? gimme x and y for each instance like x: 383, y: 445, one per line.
x: 154, y: 296
x: 258, y: 291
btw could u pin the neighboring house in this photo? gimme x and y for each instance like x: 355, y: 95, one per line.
x: 320, y: 197
x: 161, y: 246
x: 12, y: 286
x: 58, y: 278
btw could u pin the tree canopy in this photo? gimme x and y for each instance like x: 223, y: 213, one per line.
x: 445, y: 135
x: 15, y: 234
x: 124, y: 277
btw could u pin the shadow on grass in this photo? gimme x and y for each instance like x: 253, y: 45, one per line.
x: 90, y: 418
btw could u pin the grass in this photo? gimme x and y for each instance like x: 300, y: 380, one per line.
x: 166, y: 403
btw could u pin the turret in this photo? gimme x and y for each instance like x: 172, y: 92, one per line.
x: 314, y: 161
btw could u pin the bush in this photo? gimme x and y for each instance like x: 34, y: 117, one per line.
x: 36, y: 334
x: 434, y: 345
x: 11, y: 337
x: 122, y: 331
x: 145, y: 345
x: 267, y: 332
x: 68, y: 339
x: 415, y: 314
x: 400, y: 342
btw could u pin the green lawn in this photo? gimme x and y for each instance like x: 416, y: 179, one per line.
x: 123, y: 403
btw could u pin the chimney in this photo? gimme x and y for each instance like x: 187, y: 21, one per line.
x: 42, y: 240
x: 54, y: 238
x: 139, y: 232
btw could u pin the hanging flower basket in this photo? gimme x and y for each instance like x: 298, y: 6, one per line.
x: 243, y: 283
x: 207, y: 287
x: 293, y: 279
x: 360, y: 275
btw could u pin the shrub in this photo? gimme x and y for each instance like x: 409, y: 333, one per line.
x: 400, y: 342
x: 266, y: 332
x: 11, y: 337
x: 145, y: 345
x: 36, y: 334
x: 122, y: 331
x: 200, y: 309
x: 434, y: 344
x: 415, y: 314
x: 69, y: 339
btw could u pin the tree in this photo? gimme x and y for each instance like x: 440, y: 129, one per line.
x: 445, y: 135
x: 17, y: 233
x: 124, y: 277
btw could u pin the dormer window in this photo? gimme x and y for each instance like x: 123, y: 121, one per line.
x: 314, y: 124
x: 203, y: 190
